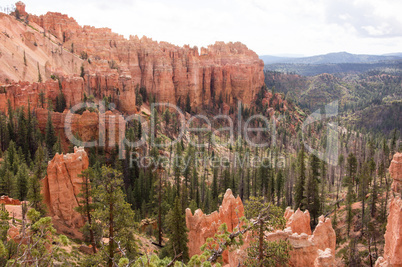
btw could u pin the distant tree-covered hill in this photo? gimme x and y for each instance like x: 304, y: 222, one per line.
x: 372, y: 100
x: 331, y: 58
x: 333, y: 63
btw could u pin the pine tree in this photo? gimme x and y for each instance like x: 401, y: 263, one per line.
x: 341, y: 160
x: 115, y: 214
x: 7, y: 183
x: 214, y: 192
x: 10, y: 123
x: 364, y: 180
x: 177, y: 233
x: 22, y: 134
x: 188, y: 103
x: 300, y: 182
x: 82, y: 74
x: 43, y: 248
x: 279, y: 186
x: 351, y: 167
x: 86, y: 206
x: 39, y: 75
x: 177, y: 168
x: 265, y: 216
x: 373, y: 195
x: 313, y: 198
x: 34, y: 185
x: 22, y: 182
x: 138, y: 97
x: 25, y: 59
x: 42, y: 99
x: 60, y: 101
x: 323, y: 173
x: 57, y: 148
x: 50, y: 135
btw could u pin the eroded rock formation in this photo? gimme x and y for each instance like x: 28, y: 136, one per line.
x: 298, y: 221
x: 20, y: 6
x: 36, y: 94
x: 316, y: 249
x: 107, y: 129
x: 54, y: 45
x: 393, y: 235
x: 230, y: 71
x: 395, y: 170
x: 202, y: 226
x: 61, y: 187
x: 26, y: 53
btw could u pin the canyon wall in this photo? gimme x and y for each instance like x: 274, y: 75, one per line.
x: 60, y: 189
x: 29, y: 53
x: 393, y: 235
x: 54, y: 45
x: 170, y: 72
x: 309, y: 249
x: 73, y: 87
x: 26, y: 54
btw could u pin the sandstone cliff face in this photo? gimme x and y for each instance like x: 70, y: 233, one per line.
x: 316, y: 249
x: 25, y: 53
x: 54, y: 43
x: 393, y: 235
x: 61, y: 187
x: 73, y: 87
x: 167, y: 71
x: 21, y: 93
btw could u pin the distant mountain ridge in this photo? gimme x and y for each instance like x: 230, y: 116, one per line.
x: 331, y: 58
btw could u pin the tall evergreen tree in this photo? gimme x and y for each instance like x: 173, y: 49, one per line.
x: 313, y: 198
x: 300, y: 181
x: 86, y: 206
x: 22, y: 182
x: 114, y: 214
x: 188, y: 103
x: 177, y: 233
x: 341, y: 160
x: 34, y: 185
x: 351, y: 168
x: 261, y: 252
x: 50, y: 135
x: 279, y: 186
x: 60, y: 101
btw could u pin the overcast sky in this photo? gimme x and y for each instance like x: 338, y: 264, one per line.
x: 280, y: 27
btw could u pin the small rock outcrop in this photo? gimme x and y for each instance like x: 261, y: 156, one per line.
x: 202, y: 226
x: 20, y: 6
x: 9, y: 201
x: 393, y: 235
x: 61, y: 187
x: 298, y: 221
x: 309, y: 249
x: 395, y: 169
